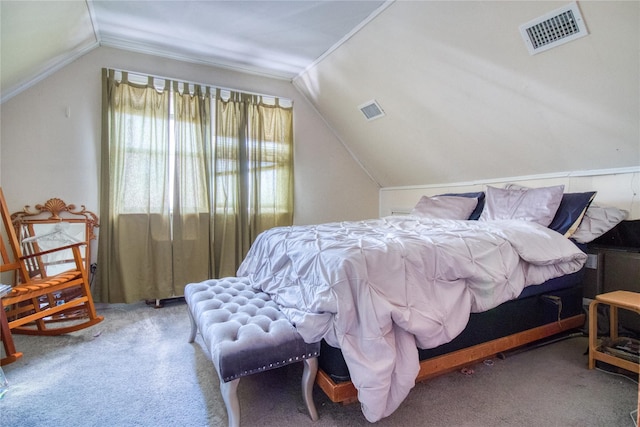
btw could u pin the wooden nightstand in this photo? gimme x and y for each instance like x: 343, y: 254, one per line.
x: 618, y: 299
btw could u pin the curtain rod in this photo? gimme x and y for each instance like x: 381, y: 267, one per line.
x: 155, y: 76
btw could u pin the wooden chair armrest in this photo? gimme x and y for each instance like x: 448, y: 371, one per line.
x: 61, y: 248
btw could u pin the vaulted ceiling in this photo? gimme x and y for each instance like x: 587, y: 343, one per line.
x: 274, y: 38
x: 464, y: 100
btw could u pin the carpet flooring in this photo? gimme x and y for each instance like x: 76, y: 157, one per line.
x: 136, y: 368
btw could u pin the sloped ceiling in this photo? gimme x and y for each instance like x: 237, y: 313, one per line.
x: 273, y: 38
x: 40, y: 37
x: 464, y: 100
x: 277, y: 38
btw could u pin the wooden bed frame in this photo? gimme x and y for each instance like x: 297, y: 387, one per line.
x: 345, y: 392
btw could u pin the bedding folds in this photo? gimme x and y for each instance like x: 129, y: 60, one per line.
x: 378, y: 289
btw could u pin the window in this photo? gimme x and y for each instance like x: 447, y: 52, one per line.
x: 202, y: 168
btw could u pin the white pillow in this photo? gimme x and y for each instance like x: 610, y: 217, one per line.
x: 597, y: 221
x: 529, y: 204
x: 445, y: 207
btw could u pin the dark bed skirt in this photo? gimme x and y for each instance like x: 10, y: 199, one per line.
x: 507, y: 319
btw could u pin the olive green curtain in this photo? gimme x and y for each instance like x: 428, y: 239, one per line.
x: 134, y: 246
x: 253, y: 174
x: 228, y: 243
x: 191, y: 212
x: 187, y: 185
x: 270, y: 158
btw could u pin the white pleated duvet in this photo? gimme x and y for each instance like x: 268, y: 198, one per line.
x: 378, y: 289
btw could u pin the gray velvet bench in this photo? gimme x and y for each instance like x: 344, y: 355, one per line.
x: 245, y: 333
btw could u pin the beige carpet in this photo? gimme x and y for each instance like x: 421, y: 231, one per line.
x: 137, y: 369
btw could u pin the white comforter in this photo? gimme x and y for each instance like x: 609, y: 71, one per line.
x: 378, y: 289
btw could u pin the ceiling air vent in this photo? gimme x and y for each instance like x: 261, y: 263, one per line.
x: 553, y: 29
x: 371, y: 110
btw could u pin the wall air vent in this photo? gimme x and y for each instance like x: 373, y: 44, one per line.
x: 553, y: 29
x: 371, y: 110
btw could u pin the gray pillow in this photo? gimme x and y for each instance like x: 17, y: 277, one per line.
x: 597, y: 221
x: 445, y: 207
x: 571, y: 211
x: 529, y: 204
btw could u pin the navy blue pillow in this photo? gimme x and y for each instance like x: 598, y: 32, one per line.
x: 570, y: 212
x: 479, y: 195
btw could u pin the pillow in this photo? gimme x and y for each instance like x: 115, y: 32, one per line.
x: 529, y: 204
x: 479, y: 196
x: 445, y: 207
x: 570, y: 212
x: 597, y: 221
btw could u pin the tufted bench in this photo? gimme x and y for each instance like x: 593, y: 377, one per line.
x: 246, y: 333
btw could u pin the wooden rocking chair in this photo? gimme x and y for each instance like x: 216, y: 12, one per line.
x: 33, y: 301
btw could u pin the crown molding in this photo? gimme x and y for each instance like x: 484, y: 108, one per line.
x: 45, y: 71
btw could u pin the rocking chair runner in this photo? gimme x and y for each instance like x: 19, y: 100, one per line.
x: 34, y: 300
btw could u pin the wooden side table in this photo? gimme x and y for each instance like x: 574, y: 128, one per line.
x: 617, y: 299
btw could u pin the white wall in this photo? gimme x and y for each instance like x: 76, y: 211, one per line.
x: 50, y: 139
x: 464, y: 100
x: 619, y: 188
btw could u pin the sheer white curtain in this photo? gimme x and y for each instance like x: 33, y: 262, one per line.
x: 186, y: 185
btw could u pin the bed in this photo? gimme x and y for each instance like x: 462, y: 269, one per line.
x: 401, y: 298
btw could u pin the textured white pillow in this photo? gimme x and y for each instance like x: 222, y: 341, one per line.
x: 445, y: 207
x: 597, y: 221
x: 529, y: 204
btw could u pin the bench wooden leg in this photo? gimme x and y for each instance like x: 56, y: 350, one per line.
x: 230, y: 396
x: 194, y: 326
x: 230, y: 393
x: 308, y: 379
